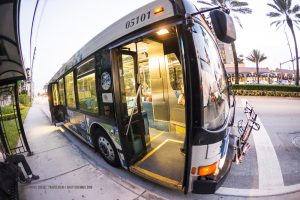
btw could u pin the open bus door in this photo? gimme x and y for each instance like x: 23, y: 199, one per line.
x: 130, y: 117
x: 151, y: 119
x: 57, y: 110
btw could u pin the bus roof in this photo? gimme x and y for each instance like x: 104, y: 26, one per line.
x: 120, y: 28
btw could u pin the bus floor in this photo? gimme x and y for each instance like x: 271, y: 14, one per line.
x: 164, y: 162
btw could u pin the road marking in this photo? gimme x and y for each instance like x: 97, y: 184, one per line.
x: 258, y: 192
x: 269, y: 171
x: 153, y: 138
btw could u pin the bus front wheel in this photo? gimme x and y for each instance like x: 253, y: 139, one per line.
x: 108, y: 150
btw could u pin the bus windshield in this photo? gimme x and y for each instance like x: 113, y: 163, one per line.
x: 214, y: 85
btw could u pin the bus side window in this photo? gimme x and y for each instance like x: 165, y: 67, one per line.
x: 70, y: 94
x: 86, y: 86
x: 61, y: 91
x: 55, y: 95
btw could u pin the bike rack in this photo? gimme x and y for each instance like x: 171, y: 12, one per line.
x: 242, y: 146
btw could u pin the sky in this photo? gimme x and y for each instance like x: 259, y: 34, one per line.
x: 62, y: 27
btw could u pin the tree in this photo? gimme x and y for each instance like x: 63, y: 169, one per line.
x: 234, y: 6
x: 256, y: 57
x: 284, y: 14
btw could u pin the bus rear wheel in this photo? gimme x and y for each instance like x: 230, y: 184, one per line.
x: 108, y: 150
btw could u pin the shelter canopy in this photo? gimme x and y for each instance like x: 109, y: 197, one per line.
x: 11, y: 62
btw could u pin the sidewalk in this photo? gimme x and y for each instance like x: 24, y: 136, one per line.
x: 64, y: 172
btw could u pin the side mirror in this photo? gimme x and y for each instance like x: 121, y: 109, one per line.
x: 223, y: 26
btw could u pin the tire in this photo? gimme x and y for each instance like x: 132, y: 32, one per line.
x: 107, y: 149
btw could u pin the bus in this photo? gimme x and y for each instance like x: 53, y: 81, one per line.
x: 150, y: 94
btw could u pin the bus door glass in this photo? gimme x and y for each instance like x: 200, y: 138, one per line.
x: 132, y: 119
x: 155, y: 65
x: 58, y: 110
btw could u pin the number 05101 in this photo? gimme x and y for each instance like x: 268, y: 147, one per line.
x: 138, y: 19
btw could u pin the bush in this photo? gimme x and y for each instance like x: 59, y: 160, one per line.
x: 8, y: 116
x: 8, y: 112
x: 266, y: 93
x: 24, y: 99
x: 267, y: 90
x: 284, y: 88
x: 7, y: 109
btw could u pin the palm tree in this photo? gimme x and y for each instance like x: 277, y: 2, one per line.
x: 256, y: 57
x: 234, y: 6
x: 285, y: 13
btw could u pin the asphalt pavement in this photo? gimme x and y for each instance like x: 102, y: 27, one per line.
x: 70, y: 169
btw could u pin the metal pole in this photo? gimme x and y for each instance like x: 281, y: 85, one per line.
x: 292, y: 59
x: 20, y: 120
x: 31, y: 76
x: 3, y: 141
x: 280, y: 73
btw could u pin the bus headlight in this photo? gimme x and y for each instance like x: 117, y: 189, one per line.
x: 207, y: 170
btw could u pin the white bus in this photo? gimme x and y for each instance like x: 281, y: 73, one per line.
x: 150, y: 93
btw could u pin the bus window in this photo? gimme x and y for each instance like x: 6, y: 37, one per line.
x: 214, y: 86
x: 55, y: 95
x: 128, y: 83
x: 86, y: 87
x: 70, y: 90
x: 61, y: 90
x: 176, y: 77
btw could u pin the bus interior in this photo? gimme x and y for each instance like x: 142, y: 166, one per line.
x: 153, y: 63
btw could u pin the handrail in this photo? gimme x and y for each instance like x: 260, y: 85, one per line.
x: 132, y: 111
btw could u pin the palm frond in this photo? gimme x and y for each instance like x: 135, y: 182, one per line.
x: 218, y: 2
x: 242, y: 10
x: 281, y: 4
x: 237, y: 19
x: 238, y: 4
x: 296, y: 9
x: 297, y: 25
x: 276, y: 23
x: 280, y: 24
x: 262, y: 58
x: 274, y: 14
x: 233, y: 5
x: 275, y: 7
x: 288, y: 4
x: 250, y: 58
x: 205, y: 3
x: 297, y: 15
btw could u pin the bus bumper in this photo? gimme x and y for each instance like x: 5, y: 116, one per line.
x: 210, y: 186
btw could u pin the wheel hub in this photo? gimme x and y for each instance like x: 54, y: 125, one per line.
x: 106, y: 148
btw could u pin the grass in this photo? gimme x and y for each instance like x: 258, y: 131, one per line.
x: 11, y: 130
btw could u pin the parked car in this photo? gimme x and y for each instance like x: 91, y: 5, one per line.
x: 284, y: 82
x: 250, y: 82
x: 264, y: 82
